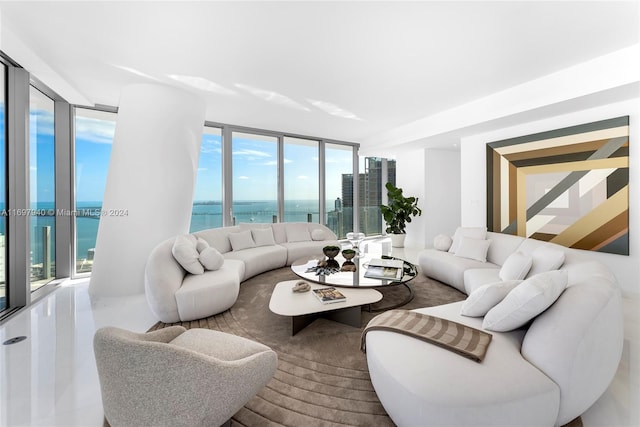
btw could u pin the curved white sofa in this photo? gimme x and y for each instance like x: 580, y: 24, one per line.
x: 543, y: 374
x: 174, y: 295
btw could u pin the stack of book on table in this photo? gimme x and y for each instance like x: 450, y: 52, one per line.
x: 389, y: 269
x: 329, y: 295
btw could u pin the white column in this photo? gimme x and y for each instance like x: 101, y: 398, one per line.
x: 150, y: 183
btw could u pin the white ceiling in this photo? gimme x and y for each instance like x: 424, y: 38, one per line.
x: 341, y: 70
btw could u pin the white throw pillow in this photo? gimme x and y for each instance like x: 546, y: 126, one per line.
x: 486, y: 297
x: 442, y: 242
x: 211, y: 259
x: 515, y: 267
x: 318, y: 234
x: 201, y: 244
x: 263, y: 236
x: 298, y: 233
x: 241, y: 240
x: 526, y: 301
x: 546, y: 259
x: 473, y: 249
x: 185, y: 252
x: 472, y: 232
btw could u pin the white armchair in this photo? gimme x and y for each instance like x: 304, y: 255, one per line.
x: 178, y: 377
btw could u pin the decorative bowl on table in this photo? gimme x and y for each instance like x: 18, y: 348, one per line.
x: 331, y: 251
x: 348, y: 254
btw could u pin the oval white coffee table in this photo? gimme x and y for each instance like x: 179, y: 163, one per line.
x: 304, y: 307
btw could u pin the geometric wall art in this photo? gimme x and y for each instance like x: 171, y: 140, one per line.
x: 568, y: 186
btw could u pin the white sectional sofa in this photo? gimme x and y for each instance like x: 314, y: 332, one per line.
x: 175, y: 295
x: 545, y: 373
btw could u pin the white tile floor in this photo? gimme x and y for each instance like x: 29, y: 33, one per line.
x: 50, y: 379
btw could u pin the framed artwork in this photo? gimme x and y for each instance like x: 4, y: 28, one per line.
x: 568, y: 186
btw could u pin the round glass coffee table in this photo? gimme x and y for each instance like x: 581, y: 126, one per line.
x: 351, y: 274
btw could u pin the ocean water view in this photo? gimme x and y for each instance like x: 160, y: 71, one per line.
x: 205, y: 214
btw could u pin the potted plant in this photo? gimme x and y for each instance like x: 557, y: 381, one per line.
x: 397, y: 213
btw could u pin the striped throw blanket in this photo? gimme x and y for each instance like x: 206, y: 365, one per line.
x: 464, y: 340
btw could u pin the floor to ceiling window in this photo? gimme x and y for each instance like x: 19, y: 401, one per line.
x: 301, y: 180
x: 93, y: 133
x: 339, y: 188
x: 3, y: 190
x: 255, y: 178
x: 207, y: 198
x: 42, y: 188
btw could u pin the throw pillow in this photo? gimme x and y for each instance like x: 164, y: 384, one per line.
x: 241, y: 240
x: 211, y: 259
x: 442, y: 242
x: 185, y: 252
x: 318, y: 234
x: 486, y: 297
x: 201, y: 244
x: 526, y: 301
x: 472, y: 232
x: 263, y: 236
x: 515, y: 267
x: 546, y: 259
x: 473, y: 249
x: 298, y: 233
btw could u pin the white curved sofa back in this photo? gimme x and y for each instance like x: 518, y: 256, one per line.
x: 162, y: 278
x: 577, y: 342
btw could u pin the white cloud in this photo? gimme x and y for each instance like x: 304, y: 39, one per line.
x: 303, y: 177
x: 202, y: 169
x: 95, y: 130
x: 251, y: 153
x: 243, y: 177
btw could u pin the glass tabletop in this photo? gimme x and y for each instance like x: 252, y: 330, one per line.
x: 340, y: 272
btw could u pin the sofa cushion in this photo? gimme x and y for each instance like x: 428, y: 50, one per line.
x: 449, y: 269
x: 526, y: 301
x: 318, y: 234
x: 473, y: 249
x: 471, y: 232
x: 545, y: 258
x: 259, y: 259
x: 515, y: 267
x: 486, y: 297
x: 298, y: 232
x: 241, y: 240
x: 442, y: 242
x: 211, y: 259
x: 185, y: 252
x: 218, y: 237
x: 476, y: 277
x: 263, y: 236
x: 503, y: 245
x: 209, y: 293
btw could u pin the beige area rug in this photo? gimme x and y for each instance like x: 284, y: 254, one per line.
x: 322, y: 377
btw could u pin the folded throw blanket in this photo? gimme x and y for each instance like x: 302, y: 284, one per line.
x: 462, y: 339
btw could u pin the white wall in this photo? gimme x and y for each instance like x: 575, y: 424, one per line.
x: 433, y: 176
x: 442, y: 188
x: 410, y: 176
x: 473, y: 195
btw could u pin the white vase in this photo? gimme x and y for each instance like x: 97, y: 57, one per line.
x: 397, y: 240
